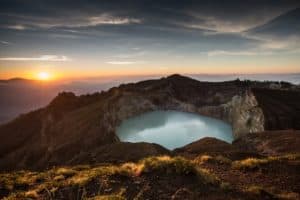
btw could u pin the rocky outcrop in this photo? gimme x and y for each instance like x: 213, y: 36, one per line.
x: 244, y: 114
x: 79, y: 125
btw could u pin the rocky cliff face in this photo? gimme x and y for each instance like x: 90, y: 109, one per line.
x: 241, y: 110
x: 244, y: 114
x: 74, y: 126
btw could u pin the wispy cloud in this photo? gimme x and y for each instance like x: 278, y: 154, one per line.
x: 286, y: 43
x: 89, y: 21
x: 107, y: 19
x: 124, y: 62
x: 132, y: 55
x: 270, y: 42
x: 17, y: 27
x: 236, y: 53
x: 51, y: 58
x: 5, y: 42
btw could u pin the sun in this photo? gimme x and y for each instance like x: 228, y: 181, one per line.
x: 43, y: 76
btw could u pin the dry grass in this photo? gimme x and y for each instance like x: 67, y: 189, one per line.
x: 255, y: 163
x: 107, y: 197
x: 86, y: 175
x: 66, y: 172
x: 288, y: 195
x: 31, y: 194
x: 249, y: 163
x: 212, y: 159
x: 275, y: 194
x: 37, y: 185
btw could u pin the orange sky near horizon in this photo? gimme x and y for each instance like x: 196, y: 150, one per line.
x: 79, y: 68
x: 56, y: 74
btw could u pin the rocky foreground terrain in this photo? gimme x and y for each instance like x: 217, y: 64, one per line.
x: 69, y: 149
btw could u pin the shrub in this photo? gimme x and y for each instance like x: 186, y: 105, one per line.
x: 176, y: 165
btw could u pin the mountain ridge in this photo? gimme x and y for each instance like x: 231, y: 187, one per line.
x: 79, y: 125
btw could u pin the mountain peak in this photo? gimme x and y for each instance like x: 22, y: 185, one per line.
x: 178, y: 77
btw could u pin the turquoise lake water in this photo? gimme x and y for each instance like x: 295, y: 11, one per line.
x: 172, y: 129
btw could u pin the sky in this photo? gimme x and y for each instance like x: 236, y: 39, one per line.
x: 90, y: 38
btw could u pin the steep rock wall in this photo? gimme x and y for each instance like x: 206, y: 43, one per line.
x: 242, y: 111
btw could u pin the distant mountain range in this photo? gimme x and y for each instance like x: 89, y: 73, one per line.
x: 19, y: 95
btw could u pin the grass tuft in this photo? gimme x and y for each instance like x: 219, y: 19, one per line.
x: 255, y: 163
x: 249, y: 163
x: 31, y: 194
x: 210, y: 159
x: 66, y: 172
x: 107, y: 197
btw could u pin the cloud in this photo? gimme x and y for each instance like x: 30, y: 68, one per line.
x: 124, y: 56
x: 121, y: 62
x: 234, y: 16
x: 268, y: 41
x: 287, y: 43
x: 184, y: 27
x: 16, y: 27
x: 213, y: 25
x: 51, y: 58
x: 236, y: 53
x: 5, y: 42
x: 73, y: 22
x: 107, y: 19
x: 104, y: 19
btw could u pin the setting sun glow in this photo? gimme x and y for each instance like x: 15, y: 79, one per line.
x: 44, y: 76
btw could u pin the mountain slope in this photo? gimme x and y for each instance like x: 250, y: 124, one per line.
x: 72, y: 128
